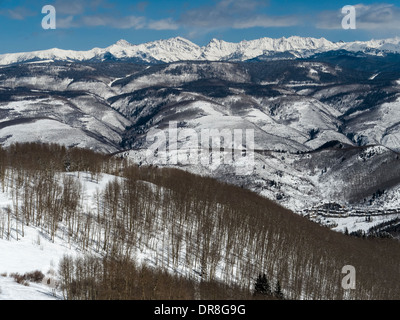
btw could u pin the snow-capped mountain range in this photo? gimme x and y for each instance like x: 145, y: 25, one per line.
x: 180, y: 49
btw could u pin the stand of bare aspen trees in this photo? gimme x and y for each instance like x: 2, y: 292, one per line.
x: 217, y: 236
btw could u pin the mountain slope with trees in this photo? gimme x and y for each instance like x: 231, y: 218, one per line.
x: 204, y: 230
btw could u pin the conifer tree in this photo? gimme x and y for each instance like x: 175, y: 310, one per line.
x: 278, y: 291
x: 261, y: 286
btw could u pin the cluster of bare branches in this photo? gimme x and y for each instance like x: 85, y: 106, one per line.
x: 42, y: 194
x: 111, y: 277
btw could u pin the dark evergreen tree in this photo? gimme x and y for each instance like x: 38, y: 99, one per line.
x: 261, y: 286
x: 278, y: 291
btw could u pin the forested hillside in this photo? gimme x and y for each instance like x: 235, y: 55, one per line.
x: 158, y: 226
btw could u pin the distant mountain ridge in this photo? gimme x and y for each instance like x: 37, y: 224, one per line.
x: 180, y: 49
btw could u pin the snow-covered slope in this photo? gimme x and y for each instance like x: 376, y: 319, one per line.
x: 38, y: 246
x: 180, y: 49
x: 32, y: 249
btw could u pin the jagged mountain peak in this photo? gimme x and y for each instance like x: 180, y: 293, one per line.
x: 181, y: 39
x: 216, y: 41
x: 173, y: 42
x: 123, y: 43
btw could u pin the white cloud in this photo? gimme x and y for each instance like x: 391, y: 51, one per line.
x: 237, y: 14
x: 65, y: 23
x: 127, y: 22
x: 380, y: 16
x: 164, y: 24
x: 76, y: 7
x: 72, y: 7
x: 18, y: 13
x: 266, y: 22
x: 75, y: 14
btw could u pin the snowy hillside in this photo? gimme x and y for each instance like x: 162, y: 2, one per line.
x: 78, y: 227
x: 31, y: 249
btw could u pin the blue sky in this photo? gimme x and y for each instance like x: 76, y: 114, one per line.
x: 84, y: 24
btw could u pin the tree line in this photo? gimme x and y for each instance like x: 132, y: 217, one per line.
x: 117, y: 278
